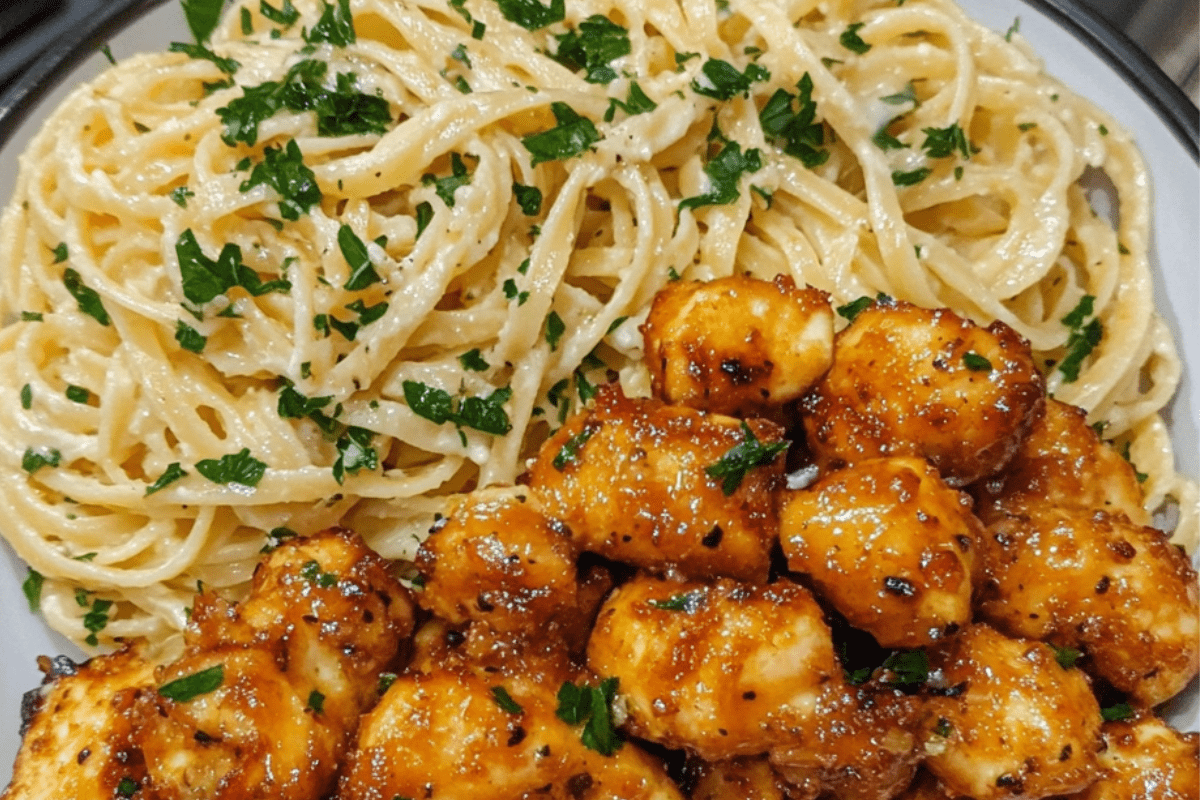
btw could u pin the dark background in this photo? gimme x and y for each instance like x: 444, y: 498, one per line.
x: 1165, y: 29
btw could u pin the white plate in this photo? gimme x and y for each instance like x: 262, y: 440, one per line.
x: 1176, y: 251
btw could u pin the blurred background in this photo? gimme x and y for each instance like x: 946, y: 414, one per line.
x: 1165, y: 29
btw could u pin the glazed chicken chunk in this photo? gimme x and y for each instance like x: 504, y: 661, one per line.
x: 1144, y: 758
x: 730, y: 669
x: 1012, y: 722
x: 663, y: 486
x: 1119, y: 592
x: 737, y: 345
x: 1063, y: 462
x: 77, y: 730
x: 889, y: 545
x: 907, y: 381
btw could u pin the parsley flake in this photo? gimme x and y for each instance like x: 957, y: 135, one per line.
x: 336, y: 25
x: 60, y: 253
x: 570, y: 449
x: 907, y: 667
x: 721, y: 80
x: 911, y: 178
x: 529, y: 198
x: 636, y: 102
x: 447, y: 186
x: 555, y: 327
x: 1066, y: 656
x: 189, y: 687
x: 27, y: 397
x: 362, y: 273
x: 201, y: 53
x: 687, y: 602
x: 592, y: 46
x: 473, y: 361
x: 286, y: 15
x: 189, y: 338
x: 723, y: 172
x: 33, y: 460
x: 77, y: 394
x: 204, y: 279
x: 592, y: 706
x: 354, y: 453
x: 439, y: 406
x: 976, y: 363
x: 87, y: 299
x: 801, y: 136
x: 852, y: 41
x: 1116, y: 713
x: 1083, y: 338
x: 239, y: 468
x: 172, y: 473
x: 732, y: 467
x: 32, y: 588
x: 571, y: 137
x: 283, y: 169
x: 505, y: 701
x: 944, y: 142
x: 532, y: 15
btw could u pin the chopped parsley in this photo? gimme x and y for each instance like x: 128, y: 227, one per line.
x: 439, y: 406
x: 199, y: 52
x: 907, y: 667
x: 908, y: 95
x: 189, y: 338
x: 172, y: 473
x: 336, y: 25
x: 852, y: 41
x: 687, y: 602
x: 511, y: 292
x: 286, y: 15
x: 555, y: 327
x: 202, y: 16
x: 60, y: 253
x: 180, y: 194
x: 944, y: 142
x: 616, y: 323
x: 592, y: 46
x: 743, y: 457
x: 636, y: 102
x: 362, y: 273
x: 33, y: 460
x: 796, y: 130
x: 77, y: 394
x: 885, y: 141
x: 96, y: 620
x: 1066, y: 656
x: 340, y: 111
x: 316, y: 701
x: 27, y: 397
x: 571, y: 137
x: 1015, y: 27
x: 311, y: 571
x: 239, y: 468
x: 529, y: 198
x: 283, y: 169
x: 447, y: 186
x: 532, y: 15
x: 912, y: 177
x: 32, y: 588
x: 354, y: 453
x: 723, y: 172
x: 204, y: 279
x: 247, y: 22
x: 88, y: 299
x: 189, y: 687
x: 570, y: 449
x: 36, y: 316
x: 1116, y: 713
x: 473, y: 361
x: 505, y: 701
x: 327, y: 323
x: 976, y: 363
x: 424, y: 215
x: 721, y: 80
x: 592, y: 706
x: 1083, y: 339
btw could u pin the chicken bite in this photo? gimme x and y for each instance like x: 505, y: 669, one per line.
x: 889, y: 545
x: 741, y: 779
x: 663, y: 486
x: 1144, y: 758
x: 76, y: 732
x: 1063, y: 462
x: 737, y: 345
x: 908, y: 381
x: 1120, y: 592
x: 496, y: 559
x: 267, y: 695
x: 1011, y: 722
x: 464, y: 730
x: 729, y: 670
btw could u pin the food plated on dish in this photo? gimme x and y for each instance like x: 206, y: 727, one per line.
x: 339, y: 264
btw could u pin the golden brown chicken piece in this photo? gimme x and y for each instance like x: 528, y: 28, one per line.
x: 730, y: 669
x: 720, y: 669
x: 1087, y: 579
x: 889, y: 545
x: 737, y: 345
x: 1145, y: 759
x: 267, y: 695
x: 1063, y: 462
x: 908, y: 381
x: 1012, y: 722
x: 76, y: 736
x: 495, y: 558
x: 464, y: 729
x: 741, y: 779
x: 665, y: 486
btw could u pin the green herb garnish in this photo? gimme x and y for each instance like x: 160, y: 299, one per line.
x: 593, y: 706
x: 189, y: 687
x: 239, y: 468
x: 743, y: 457
x: 572, y: 137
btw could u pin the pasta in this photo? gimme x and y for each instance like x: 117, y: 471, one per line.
x: 379, y: 256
